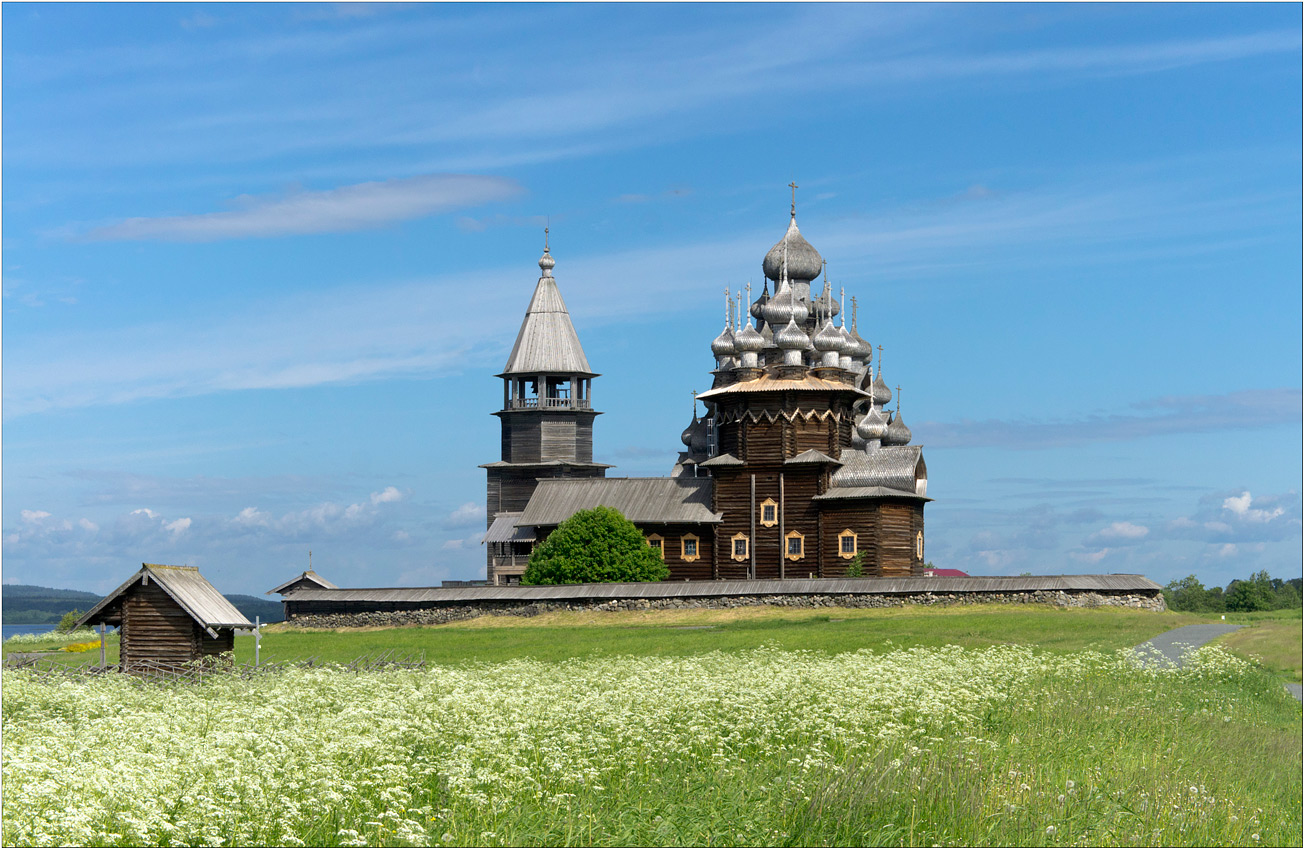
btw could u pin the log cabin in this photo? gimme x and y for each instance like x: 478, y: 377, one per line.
x: 168, y: 615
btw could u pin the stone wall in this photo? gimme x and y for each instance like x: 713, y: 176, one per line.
x: 448, y: 613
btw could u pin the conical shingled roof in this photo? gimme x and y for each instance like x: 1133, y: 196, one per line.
x: 547, y: 341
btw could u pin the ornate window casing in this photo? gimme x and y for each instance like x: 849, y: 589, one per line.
x: 794, y: 546
x: 689, y: 549
x: 847, y: 544
x: 769, y: 513
x: 657, y: 542
x: 739, y: 547
x: 919, y: 545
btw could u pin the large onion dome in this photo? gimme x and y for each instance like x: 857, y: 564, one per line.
x: 847, y: 346
x: 749, y: 339
x: 804, y: 261
x: 863, y: 351
x: 897, y: 433
x: 792, y: 338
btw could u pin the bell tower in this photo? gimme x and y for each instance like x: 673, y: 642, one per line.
x: 547, y: 422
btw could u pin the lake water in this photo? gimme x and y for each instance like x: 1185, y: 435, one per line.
x: 8, y: 630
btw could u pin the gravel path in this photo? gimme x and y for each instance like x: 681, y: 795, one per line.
x: 1172, y: 645
x: 1167, y: 649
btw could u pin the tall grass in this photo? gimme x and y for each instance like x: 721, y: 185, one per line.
x: 921, y: 746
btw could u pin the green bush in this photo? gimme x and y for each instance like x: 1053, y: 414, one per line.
x: 69, y: 621
x: 856, y: 568
x: 598, y: 545
x: 1254, y: 594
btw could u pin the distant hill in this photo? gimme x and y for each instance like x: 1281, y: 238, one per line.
x: 33, y: 605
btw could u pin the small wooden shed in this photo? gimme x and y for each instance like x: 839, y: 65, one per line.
x: 307, y: 579
x: 169, y: 615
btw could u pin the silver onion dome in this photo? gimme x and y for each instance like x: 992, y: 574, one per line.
x: 864, y: 351
x: 828, y: 338
x: 873, y: 426
x: 749, y: 339
x: 804, y: 261
x: 792, y: 338
x: 723, y: 345
x: 546, y: 263
x: 825, y: 306
x: 786, y: 306
x: 847, y: 346
x: 897, y: 433
x: 879, y: 392
x: 760, y: 303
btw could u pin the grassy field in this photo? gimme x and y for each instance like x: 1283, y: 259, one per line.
x: 564, y: 635
x: 1273, y: 641
x: 985, y: 725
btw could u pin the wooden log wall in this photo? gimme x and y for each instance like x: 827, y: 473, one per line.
x: 155, y: 628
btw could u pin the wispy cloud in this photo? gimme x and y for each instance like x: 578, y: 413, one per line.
x: 1250, y: 409
x: 356, y: 207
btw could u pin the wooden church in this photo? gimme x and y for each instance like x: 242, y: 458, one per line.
x: 795, y: 469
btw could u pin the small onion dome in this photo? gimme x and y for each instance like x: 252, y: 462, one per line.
x: 760, y: 303
x: 686, y: 436
x: 864, y: 351
x: 792, y: 338
x: 847, y: 346
x: 879, y: 392
x: 804, y: 261
x: 749, y: 339
x: 825, y: 306
x: 828, y: 338
x: 873, y: 426
x: 897, y: 434
x: 784, y: 307
x: 701, y: 442
x: 723, y: 345
x: 546, y: 264
x: 768, y: 336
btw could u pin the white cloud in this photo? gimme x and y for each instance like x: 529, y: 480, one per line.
x: 33, y: 516
x: 468, y: 513
x: 472, y: 542
x: 1227, y: 550
x: 1122, y: 531
x: 178, y: 526
x: 356, y: 207
x: 145, y: 512
x: 389, y: 494
x: 1241, y: 508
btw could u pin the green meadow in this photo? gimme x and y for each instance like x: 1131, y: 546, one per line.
x: 984, y: 725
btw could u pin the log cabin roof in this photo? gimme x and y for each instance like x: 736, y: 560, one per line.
x: 812, y: 456
x: 726, y: 459
x: 306, y: 576
x: 504, y: 529
x: 640, y: 500
x: 755, y: 587
x: 869, y: 493
x: 547, y: 342
x: 185, y: 586
x: 770, y: 384
x: 885, y: 466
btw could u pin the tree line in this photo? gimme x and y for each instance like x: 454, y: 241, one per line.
x: 1258, y: 593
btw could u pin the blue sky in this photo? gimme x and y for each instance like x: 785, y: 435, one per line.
x: 261, y: 262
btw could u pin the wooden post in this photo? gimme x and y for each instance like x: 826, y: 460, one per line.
x: 103, y: 635
x: 752, y: 531
x: 258, y: 639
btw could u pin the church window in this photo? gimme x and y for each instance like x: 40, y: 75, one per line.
x: 689, y: 547
x: 847, y: 544
x: 656, y: 541
x: 739, y: 544
x: 919, y: 545
x: 794, y: 545
x: 769, y: 513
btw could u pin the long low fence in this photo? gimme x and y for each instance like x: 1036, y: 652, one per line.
x: 348, y: 607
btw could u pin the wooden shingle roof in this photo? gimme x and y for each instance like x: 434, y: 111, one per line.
x: 547, y: 342
x: 186, y: 587
x: 306, y: 576
x: 640, y: 500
